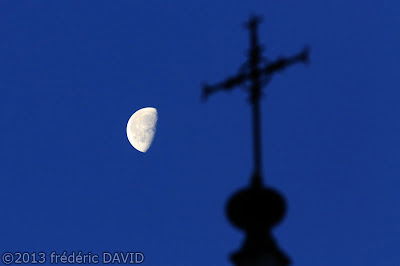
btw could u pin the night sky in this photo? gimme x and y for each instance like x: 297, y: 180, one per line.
x: 73, y: 72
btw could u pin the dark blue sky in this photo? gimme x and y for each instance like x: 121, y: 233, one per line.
x: 73, y: 72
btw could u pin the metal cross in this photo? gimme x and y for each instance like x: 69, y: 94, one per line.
x: 258, y: 73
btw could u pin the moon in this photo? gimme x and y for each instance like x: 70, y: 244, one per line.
x: 141, y: 128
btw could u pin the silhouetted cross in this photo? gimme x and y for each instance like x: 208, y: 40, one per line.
x: 259, y: 76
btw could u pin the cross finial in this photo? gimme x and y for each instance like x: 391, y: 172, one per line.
x: 258, y: 77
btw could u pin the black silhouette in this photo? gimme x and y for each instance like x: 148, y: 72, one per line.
x: 257, y: 209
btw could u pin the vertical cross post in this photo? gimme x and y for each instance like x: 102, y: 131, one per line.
x: 255, y: 57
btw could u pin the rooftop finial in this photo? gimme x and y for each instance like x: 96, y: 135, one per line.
x: 258, y: 75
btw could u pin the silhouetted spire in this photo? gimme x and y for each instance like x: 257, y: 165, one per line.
x: 257, y: 209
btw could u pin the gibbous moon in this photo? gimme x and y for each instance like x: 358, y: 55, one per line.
x: 141, y: 128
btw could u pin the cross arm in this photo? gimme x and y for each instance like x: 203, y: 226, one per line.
x: 227, y: 84
x: 282, y: 63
